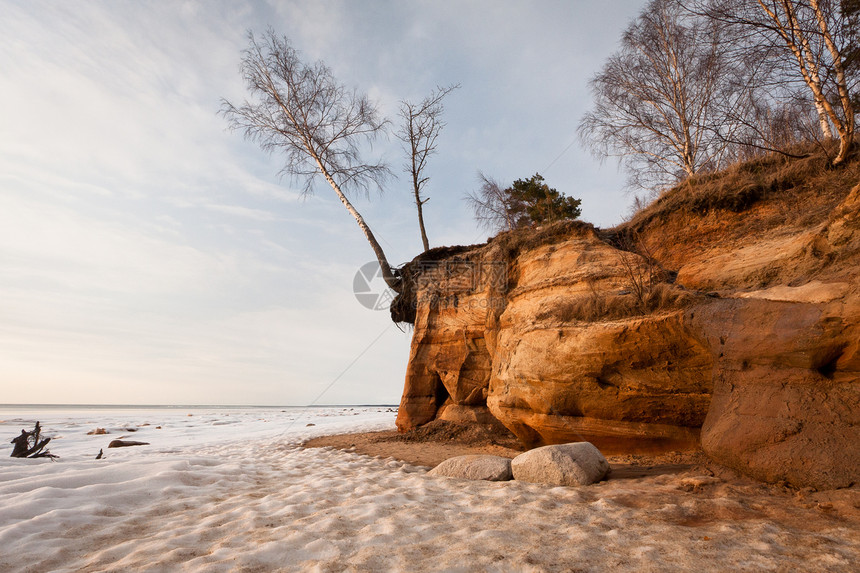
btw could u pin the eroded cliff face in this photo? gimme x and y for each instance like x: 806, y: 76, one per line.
x: 786, y: 399
x: 751, y: 338
x: 493, y: 341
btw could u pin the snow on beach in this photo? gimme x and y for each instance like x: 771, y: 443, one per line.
x: 231, y: 490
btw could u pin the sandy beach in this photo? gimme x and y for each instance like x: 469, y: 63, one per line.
x: 674, y: 510
x: 237, y: 491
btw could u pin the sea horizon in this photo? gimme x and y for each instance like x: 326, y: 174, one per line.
x: 170, y: 406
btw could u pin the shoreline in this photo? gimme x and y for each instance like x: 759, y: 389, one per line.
x: 628, y: 458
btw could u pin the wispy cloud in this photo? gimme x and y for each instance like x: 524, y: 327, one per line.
x: 148, y: 254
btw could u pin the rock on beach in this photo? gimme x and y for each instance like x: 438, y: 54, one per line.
x: 577, y: 463
x: 475, y: 467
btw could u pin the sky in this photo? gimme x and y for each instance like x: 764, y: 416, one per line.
x: 148, y: 255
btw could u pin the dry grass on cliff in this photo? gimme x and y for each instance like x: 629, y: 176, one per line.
x: 736, y: 206
x: 661, y: 297
x: 511, y: 243
x: 802, y: 190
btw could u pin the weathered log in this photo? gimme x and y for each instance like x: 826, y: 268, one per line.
x: 126, y: 443
x: 30, y: 445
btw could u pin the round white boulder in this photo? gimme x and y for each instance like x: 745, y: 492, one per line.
x: 577, y: 463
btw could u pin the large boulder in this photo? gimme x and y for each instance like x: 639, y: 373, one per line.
x: 476, y: 467
x: 578, y: 463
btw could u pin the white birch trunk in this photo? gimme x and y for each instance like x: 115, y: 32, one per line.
x: 387, y: 273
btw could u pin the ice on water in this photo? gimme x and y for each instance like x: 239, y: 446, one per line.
x: 181, y: 429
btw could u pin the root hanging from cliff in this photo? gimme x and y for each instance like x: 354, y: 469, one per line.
x: 405, y: 304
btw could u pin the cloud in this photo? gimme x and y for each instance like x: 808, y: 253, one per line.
x: 147, y: 254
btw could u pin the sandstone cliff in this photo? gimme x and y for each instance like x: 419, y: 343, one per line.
x: 729, y: 309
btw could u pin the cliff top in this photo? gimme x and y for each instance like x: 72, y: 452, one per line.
x: 770, y: 220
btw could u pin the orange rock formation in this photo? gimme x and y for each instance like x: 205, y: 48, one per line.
x: 731, y: 319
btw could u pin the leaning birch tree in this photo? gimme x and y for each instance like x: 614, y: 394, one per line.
x: 300, y: 110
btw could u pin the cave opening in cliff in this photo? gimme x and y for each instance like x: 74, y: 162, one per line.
x: 441, y: 394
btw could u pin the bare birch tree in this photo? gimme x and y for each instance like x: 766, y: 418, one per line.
x: 814, y: 39
x: 494, y: 208
x: 300, y: 110
x: 422, y: 123
x: 660, y: 101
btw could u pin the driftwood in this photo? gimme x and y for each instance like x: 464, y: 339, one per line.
x: 126, y: 443
x: 31, y: 445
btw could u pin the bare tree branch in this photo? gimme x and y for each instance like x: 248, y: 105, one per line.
x: 494, y: 209
x: 808, y: 44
